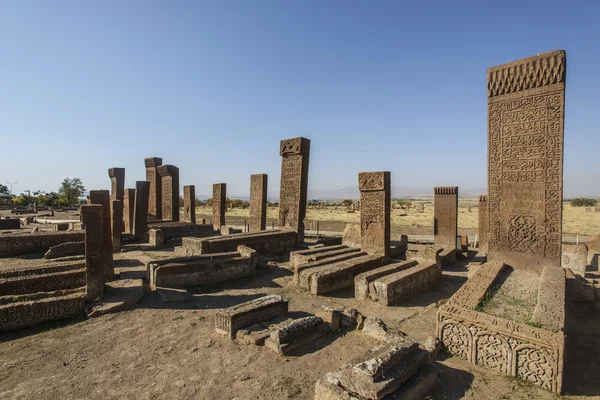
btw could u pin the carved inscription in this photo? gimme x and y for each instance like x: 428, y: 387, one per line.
x: 375, y: 212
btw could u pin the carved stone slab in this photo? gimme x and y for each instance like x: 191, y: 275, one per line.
x: 375, y: 195
x: 155, y: 188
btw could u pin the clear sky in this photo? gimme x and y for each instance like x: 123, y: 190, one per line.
x: 212, y: 87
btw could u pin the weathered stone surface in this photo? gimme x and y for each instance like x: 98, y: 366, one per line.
x: 362, y: 281
x: 46, y: 268
x: 173, y: 294
x: 351, y: 235
x: 526, y: 111
x: 173, y: 230
x: 417, y: 386
x: 15, y: 244
x: 92, y: 215
x: 43, y: 282
x: 140, y: 219
x: 189, y: 204
x: 574, y: 257
x: 154, y: 187
x: 378, y: 330
x: 117, y: 179
x: 578, y: 289
x: 303, y: 279
x: 258, y: 202
x: 65, y: 250
x: 156, y: 238
x: 483, y: 224
x: 445, y: 225
x: 297, y: 333
x: 229, y: 320
x: 330, y: 316
x: 120, y: 295
x: 219, y: 205
x: 169, y: 176
x: 593, y: 242
x: 102, y: 197
x: 128, y: 210
x: 229, y: 230
x: 549, y: 311
x: 375, y: 212
x: 116, y: 219
x: 398, y: 248
x: 272, y: 241
x: 338, y: 275
x: 300, y: 257
x: 294, y: 184
x: 394, y: 288
x: 60, y: 226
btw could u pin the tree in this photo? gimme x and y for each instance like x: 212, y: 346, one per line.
x: 347, y: 202
x: 582, y: 202
x: 4, y: 189
x: 71, y: 189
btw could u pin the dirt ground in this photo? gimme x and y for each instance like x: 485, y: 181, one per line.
x: 170, y: 350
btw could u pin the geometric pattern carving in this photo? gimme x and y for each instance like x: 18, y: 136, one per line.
x: 295, y: 154
x: 522, y: 234
x: 493, y: 352
x: 537, y: 366
x: 371, y: 181
x: 375, y: 212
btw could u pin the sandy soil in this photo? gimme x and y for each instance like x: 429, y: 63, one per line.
x: 160, y: 351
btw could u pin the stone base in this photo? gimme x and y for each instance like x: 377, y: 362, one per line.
x: 24, y: 243
x: 119, y: 295
x: 59, y: 276
x: 275, y: 241
x: 229, y: 320
x: 65, y: 250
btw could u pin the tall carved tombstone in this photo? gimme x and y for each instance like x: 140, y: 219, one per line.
x: 102, y: 197
x: 128, y: 208
x: 189, y: 203
x: 219, y: 202
x: 445, y: 223
x: 117, y: 179
x: 140, y: 213
x: 483, y: 224
x: 92, y: 216
x: 116, y: 220
x: 155, y: 189
x: 258, y: 202
x: 169, y: 175
x: 294, y: 184
x: 375, y: 195
x: 526, y: 111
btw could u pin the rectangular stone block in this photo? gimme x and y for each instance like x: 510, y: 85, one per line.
x: 92, y: 215
x: 258, y: 202
x: 362, y: 281
x: 445, y: 228
x: 526, y: 111
x: 549, y: 311
x: 392, y: 289
x: 189, y: 204
x: 575, y: 257
x: 140, y: 218
x: 128, y: 210
x: 375, y: 212
x: 219, y: 205
x: 117, y: 179
x: 272, y: 241
x: 294, y: 184
x: 154, y: 187
x: 298, y: 333
x: 102, y: 197
x: 25, y: 243
x: 483, y: 224
x: 229, y: 320
x: 116, y: 219
x: 169, y: 175
x: 156, y: 238
x: 300, y: 257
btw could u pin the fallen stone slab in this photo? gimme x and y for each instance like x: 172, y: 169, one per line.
x: 67, y: 249
x: 296, y: 334
x: 120, y: 295
x: 229, y: 320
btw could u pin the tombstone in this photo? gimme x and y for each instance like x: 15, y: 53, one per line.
x: 117, y: 179
x: 155, y: 188
x: 483, y: 224
x: 102, y: 197
x: 128, y: 208
x: 219, y: 205
x: 189, y: 204
x: 375, y: 212
x: 156, y: 238
x: 258, y: 202
x: 526, y: 109
x: 92, y: 215
x: 294, y: 184
x: 445, y: 224
x: 140, y: 213
x: 116, y: 219
x: 169, y: 175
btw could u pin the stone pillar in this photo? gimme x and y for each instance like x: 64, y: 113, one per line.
x: 189, y: 203
x: 116, y: 217
x: 155, y: 189
x: 375, y: 195
x: 102, y: 197
x: 294, y: 184
x: 92, y: 215
x: 140, y: 213
x: 526, y: 113
x: 117, y: 178
x: 128, y: 208
x: 258, y: 202
x: 219, y: 203
x: 169, y: 175
x: 445, y: 224
x: 483, y: 224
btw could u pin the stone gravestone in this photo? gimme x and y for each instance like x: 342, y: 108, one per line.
x: 189, y: 204
x: 445, y: 224
x: 102, y: 197
x: 155, y: 189
x: 483, y: 224
x: 128, y: 207
x: 92, y: 215
x: 116, y: 220
x: 294, y: 184
x: 117, y: 179
x: 375, y: 212
x: 169, y: 175
x: 140, y: 213
x: 219, y: 205
x: 258, y: 202
x: 526, y: 109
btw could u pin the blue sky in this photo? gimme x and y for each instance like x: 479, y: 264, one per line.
x: 212, y: 87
